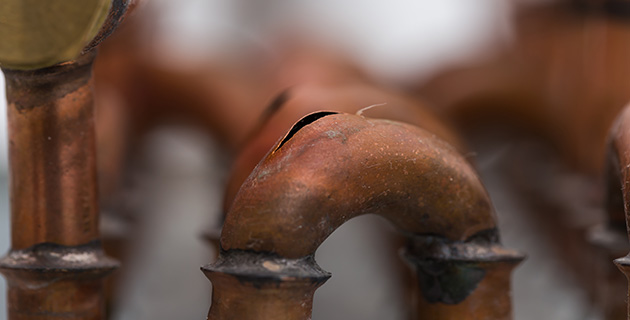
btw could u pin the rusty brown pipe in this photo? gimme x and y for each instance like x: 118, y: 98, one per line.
x: 56, y: 264
x: 332, y: 167
x: 620, y: 155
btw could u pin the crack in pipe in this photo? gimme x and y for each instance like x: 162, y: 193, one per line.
x: 342, y: 166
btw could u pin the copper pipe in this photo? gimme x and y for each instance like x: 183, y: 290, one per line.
x: 347, y: 96
x: 608, y: 241
x: 52, y: 155
x: 56, y: 264
x: 565, y: 86
x: 332, y: 167
x: 620, y: 154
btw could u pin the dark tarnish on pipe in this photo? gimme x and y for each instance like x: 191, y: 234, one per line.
x: 620, y: 153
x: 56, y: 265
x: 332, y: 167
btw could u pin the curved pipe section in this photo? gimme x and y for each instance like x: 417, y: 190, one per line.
x: 332, y: 167
x: 294, y: 103
x: 342, y: 166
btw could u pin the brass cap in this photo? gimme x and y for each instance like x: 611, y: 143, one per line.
x: 37, y: 34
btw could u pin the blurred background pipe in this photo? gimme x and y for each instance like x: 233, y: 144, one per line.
x: 620, y: 156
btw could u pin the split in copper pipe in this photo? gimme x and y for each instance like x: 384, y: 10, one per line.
x: 56, y: 265
x: 349, y: 96
x: 332, y: 167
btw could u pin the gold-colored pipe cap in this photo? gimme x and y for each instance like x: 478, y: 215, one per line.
x: 40, y: 33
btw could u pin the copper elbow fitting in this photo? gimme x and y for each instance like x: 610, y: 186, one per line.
x: 331, y: 167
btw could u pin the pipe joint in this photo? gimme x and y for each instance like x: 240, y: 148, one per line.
x: 449, y: 272
x: 275, y: 287
x: 262, y: 268
x: 49, y: 281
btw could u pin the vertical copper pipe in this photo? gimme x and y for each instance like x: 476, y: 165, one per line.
x: 608, y: 241
x: 56, y: 265
x: 620, y: 158
x: 495, y: 286
x: 52, y: 155
x: 624, y: 265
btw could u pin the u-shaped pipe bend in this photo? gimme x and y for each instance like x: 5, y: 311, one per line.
x: 332, y: 167
x: 341, y: 166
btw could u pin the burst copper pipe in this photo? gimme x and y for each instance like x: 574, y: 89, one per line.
x: 620, y: 155
x: 347, y: 96
x: 56, y: 265
x: 350, y: 94
x: 332, y: 167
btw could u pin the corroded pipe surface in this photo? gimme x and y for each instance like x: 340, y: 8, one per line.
x: 349, y: 97
x: 332, y: 167
x: 324, y: 172
x: 49, y: 281
x: 468, y: 280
